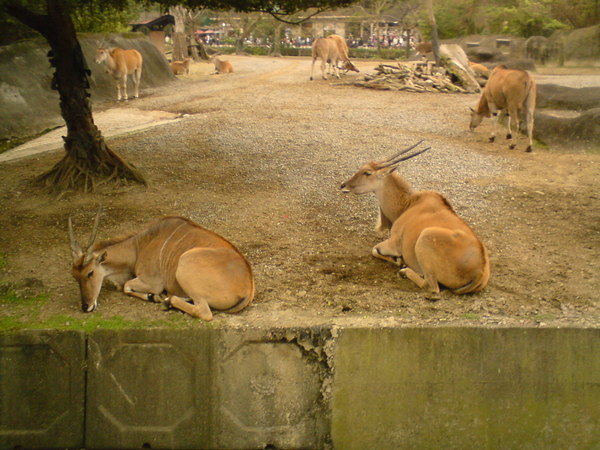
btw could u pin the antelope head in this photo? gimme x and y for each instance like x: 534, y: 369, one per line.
x: 369, y: 177
x: 101, y: 54
x: 476, y: 119
x: 349, y: 66
x: 87, y: 267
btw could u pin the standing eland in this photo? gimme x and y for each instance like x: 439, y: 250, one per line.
x: 172, y: 256
x: 119, y: 64
x: 426, y: 235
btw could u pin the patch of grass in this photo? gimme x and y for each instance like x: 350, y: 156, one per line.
x: 543, y: 317
x: 66, y: 322
x: 11, y: 297
x: 470, y: 316
x: 94, y: 321
x: 7, y: 144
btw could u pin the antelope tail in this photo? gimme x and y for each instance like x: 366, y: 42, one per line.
x: 531, y: 96
x: 243, y: 301
x: 479, y: 282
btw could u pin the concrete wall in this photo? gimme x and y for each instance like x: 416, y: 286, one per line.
x: 301, y: 388
x: 29, y: 106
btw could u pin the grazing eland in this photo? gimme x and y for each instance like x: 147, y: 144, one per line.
x: 330, y: 50
x: 507, y: 91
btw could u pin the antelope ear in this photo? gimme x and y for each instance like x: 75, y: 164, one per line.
x: 385, y: 172
x: 102, y: 257
x: 472, y: 110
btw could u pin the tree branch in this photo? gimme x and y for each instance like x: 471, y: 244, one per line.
x: 38, y: 22
x: 279, y: 17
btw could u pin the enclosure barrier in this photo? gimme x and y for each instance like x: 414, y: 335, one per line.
x: 346, y: 388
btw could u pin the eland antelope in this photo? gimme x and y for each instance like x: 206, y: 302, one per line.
x: 172, y: 256
x: 426, y: 235
x: 181, y: 67
x: 511, y: 92
x: 221, y: 66
x: 331, y: 50
x: 119, y: 64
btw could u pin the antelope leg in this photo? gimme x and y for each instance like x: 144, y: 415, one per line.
x: 199, y: 309
x: 382, y: 251
x: 139, y: 289
x: 429, y: 280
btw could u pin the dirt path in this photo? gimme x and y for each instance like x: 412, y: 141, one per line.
x: 259, y: 155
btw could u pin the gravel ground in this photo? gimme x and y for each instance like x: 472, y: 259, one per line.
x: 259, y: 157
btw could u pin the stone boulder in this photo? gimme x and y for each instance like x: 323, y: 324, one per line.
x: 553, y: 96
x: 582, y: 131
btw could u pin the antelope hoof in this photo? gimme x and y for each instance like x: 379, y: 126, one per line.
x: 492, y: 138
x: 512, y: 146
x: 433, y: 296
x: 166, y: 304
x: 402, y: 273
x: 509, y: 136
x: 155, y: 298
x: 529, y: 149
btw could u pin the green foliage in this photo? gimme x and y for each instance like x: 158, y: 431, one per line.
x: 527, y: 18
x: 96, y: 16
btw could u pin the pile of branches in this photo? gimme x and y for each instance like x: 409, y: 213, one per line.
x: 415, y: 77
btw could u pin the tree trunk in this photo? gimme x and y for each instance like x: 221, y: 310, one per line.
x: 276, y: 46
x: 202, y: 50
x: 239, y: 45
x: 435, y: 40
x: 179, y: 38
x: 179, y: 46
x: 88, y: 161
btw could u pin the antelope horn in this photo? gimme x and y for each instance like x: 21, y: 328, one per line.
x: 75, y: 247
x: 391, y: 159
x: 411, y: 155
x: 94, y: 233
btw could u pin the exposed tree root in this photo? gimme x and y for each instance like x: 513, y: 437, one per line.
x: 83, y: 171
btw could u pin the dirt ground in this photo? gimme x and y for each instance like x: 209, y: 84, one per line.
x: 258, y: 156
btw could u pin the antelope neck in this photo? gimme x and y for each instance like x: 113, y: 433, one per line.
x: 393, y: 196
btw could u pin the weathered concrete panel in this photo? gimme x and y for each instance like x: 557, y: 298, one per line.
x: 149, y: 387
x: 270, y: 391
x: 42, y: 389
x: 466, y: 388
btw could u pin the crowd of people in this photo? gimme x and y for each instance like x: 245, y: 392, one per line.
x: 392, y: 41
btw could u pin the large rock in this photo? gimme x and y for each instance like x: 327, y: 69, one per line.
x: 537, y: 48
x: 581, y: 46
x: 582, y: 131
x: 562, y: 97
